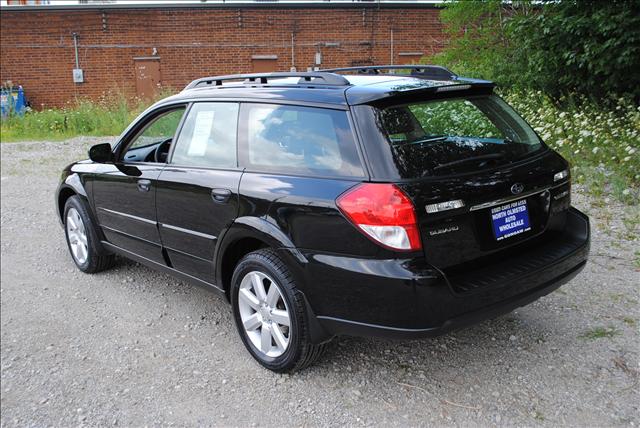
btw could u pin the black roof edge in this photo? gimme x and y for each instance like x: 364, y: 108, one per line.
x: 239, y: 5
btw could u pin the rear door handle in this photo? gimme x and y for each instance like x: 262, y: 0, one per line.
x: 144, y: 185
x: 220, y: 195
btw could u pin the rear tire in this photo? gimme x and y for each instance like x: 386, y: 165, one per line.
x: 269, y: 312
x: 82, y: 238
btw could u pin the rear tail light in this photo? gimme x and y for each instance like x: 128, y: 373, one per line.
x: 384, y: 213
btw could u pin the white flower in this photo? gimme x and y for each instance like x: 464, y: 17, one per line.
x: 626, y: 159
x: 595, y: 150
x: 626, y: 192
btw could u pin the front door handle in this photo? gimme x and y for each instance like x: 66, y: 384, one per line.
x: 220, y: 195
x: 144, y: 185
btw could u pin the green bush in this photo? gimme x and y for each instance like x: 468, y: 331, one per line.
x: 585, y: 47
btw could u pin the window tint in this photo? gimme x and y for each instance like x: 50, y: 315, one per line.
x: 160, y: 129
x: 455, y: 135
x: 300, y: 140
x: 208, y: 137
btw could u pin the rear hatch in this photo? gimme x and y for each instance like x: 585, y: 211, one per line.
x: 492, y: 218
x: 481, y: 181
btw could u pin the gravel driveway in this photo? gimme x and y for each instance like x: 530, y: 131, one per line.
x: 132, y: 347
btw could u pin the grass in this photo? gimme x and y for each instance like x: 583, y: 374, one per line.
x: 109, y: 115
x: 600, y: 332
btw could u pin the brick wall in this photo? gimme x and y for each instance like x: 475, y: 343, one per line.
x: 38, y: 53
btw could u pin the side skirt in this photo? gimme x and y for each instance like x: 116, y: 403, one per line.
x: 162, y: 268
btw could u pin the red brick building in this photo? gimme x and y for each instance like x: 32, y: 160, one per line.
x: 136, y: 49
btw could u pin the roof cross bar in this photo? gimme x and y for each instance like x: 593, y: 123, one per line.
x: 308, y: 78
x: 434, y: 72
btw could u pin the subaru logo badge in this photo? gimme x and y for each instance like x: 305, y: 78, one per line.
x: 517, y: 188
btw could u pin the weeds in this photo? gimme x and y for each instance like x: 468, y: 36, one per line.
x: 600, y: 332
x: 602, y: 145
x: 109, y: 115
x: 629, y: 321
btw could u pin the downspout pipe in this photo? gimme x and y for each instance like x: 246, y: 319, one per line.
x: 75, y: 48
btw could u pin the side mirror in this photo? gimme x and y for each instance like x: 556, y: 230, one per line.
x: 101, y: 153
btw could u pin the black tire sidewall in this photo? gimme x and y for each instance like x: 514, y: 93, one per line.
x: 258, y: 261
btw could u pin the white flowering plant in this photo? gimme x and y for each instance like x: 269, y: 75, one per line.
x: 602, y: 144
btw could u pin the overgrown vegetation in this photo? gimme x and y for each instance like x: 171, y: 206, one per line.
x: 601, y: 144
x: 110, y: 115
x: 568, y: 47
x: 571, y: 68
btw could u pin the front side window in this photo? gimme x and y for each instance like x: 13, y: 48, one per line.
x: 455, y: 135
x: 161, y: 129
x: 208, y: 137
x: 300, y: 140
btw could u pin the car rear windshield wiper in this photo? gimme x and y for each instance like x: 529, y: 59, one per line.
x: 491, y: 156
x: 433, y: 139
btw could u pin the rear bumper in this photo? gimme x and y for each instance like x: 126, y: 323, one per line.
x: 335, y: 326
x: 411, y: 299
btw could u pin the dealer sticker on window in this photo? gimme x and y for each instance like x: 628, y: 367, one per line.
x: 510, y: 219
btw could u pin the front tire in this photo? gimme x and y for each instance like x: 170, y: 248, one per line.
x: 82, y: 238
x: 269, y: 312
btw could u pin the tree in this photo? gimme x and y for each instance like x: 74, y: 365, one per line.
x: 582, y: 46
x: 564, y: 47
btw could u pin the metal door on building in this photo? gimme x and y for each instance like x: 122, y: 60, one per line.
x: 410, y: 57
x: 148, y: 76
x: 264, y: 63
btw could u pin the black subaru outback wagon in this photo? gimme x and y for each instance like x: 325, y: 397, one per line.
x: 353, y: 201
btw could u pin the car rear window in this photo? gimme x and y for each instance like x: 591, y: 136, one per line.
x: 442, y: 137
x: 300, y: 140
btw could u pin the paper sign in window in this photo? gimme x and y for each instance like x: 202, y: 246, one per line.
x: 201, y: 132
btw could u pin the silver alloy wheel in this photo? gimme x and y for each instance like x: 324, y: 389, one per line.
x: 264, y: 314
x: 77, y: 236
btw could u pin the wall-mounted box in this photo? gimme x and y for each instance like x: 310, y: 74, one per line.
x: 78, y: 75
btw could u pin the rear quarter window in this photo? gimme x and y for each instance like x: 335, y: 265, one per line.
x: 298, y: 140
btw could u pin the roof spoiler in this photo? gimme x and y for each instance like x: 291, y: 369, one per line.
x: 433, y: 72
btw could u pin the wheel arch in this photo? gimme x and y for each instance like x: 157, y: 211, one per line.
x: 72, y: 185
x: 63, y: 195
x: 245, y: 235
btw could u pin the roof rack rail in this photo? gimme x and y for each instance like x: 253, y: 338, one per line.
x: 309, y: 78
x: 435, y: 72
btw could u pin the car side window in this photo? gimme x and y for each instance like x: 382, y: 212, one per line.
x: 160, y: 129
x: 208, y: 137
x: 298, y: 139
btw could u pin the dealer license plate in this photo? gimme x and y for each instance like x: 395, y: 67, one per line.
x: 510, y: 219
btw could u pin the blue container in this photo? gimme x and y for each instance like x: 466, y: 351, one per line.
x: 12, y: 101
